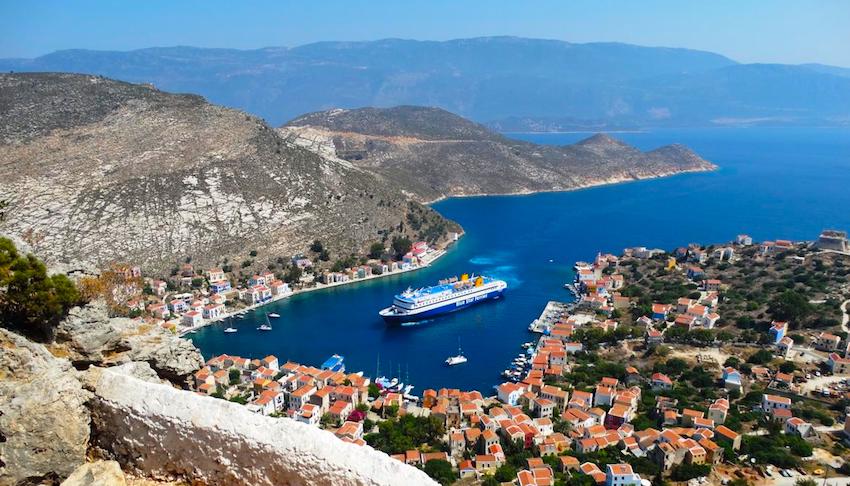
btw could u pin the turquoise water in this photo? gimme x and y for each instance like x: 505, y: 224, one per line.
x: 772, y: 183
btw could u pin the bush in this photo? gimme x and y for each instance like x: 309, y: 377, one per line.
x: 401, y: 245
x: 685, y: 472
x: 406, y: 433
x: 505, y: 473
x: 762, y: 356
x: 376, y: 250
x: 30, y: 300
x: 440, y: 471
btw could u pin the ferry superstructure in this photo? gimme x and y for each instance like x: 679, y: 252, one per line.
x: 448, y: 296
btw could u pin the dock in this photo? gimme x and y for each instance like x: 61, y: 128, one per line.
x: 551, y: 314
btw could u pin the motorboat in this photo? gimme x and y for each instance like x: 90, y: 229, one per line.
x: 274, y: 315
x: 230, y: 330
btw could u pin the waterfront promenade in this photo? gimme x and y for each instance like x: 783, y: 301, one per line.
x: 426, y: 260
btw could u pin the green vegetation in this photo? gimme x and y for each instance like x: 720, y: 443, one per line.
x: 401, y: 245
x: 293, y: 275
x: 235, y: 376
x: 30, y: 300
x: 790, y: 306
x: 406, y: 433
x: 684, y: 472
x: 440, y: 471
x: 376, y: 250
x: 771, y: 449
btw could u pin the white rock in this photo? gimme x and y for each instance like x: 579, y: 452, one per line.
x: 167, y: 432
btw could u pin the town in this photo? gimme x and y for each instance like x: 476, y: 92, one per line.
x: 656, y: 371
x: 192, y: 298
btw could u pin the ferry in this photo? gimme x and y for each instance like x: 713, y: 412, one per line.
x: 448, y: 296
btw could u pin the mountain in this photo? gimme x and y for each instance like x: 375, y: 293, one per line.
x: 432, y: 154
x: 490, y: 79
x: 104, y: 171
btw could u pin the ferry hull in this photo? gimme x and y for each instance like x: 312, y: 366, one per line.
x: 444, y: 309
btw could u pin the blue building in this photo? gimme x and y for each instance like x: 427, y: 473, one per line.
x: 777, y: 331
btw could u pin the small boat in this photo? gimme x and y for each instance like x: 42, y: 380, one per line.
x: 230, y: 329
x: 274, y: 315
x: 240, y: 316
x: 456, y: 360
x: 335, y: 363
x: 265, y: 327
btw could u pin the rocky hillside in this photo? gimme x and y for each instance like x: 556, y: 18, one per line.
x: 103, y: 171
x: 432, y: 153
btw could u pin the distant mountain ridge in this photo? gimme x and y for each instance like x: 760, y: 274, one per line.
x: 102, y: 171
x: 492, y: 79
x: 431, y: 154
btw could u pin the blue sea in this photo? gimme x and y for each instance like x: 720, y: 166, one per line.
x: 772, y: 183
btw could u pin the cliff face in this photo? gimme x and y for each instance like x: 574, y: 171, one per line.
x: 432, y: 154
x: 54, y: 419
x: 104, y: 171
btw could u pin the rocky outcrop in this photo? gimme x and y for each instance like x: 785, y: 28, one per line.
x: 98, y: 473
x: 89, y: 336
x: 169, y: 433
x: 44, y: 423
x: 104, y: 172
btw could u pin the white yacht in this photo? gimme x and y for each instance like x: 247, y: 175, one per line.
x: 456, y: 360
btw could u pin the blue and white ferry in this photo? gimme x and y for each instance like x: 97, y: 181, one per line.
x: 448, y: 296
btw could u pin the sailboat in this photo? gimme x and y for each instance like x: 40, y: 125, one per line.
x: 230, y: 328
x: 456, y: 360
x: 265, y: 327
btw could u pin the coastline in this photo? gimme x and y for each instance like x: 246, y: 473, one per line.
x: 607, y: 182
x: 437, y: 254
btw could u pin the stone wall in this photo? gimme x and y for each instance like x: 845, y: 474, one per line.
x: 172, y: 433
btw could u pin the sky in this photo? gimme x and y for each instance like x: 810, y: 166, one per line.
x: 780, y: 31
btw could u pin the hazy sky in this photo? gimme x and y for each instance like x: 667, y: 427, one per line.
x: 748, y: 31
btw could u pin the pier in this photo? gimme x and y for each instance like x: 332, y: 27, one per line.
x: 551, y: 314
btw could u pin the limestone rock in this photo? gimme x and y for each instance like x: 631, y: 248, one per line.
x: 168, y: 433
x: 99, y: 473
x: 102, y: 171
x: 90, y: 336
x: 43, y: 417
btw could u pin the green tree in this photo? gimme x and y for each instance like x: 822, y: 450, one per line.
x: 440, y: 471
x: 293, y: 275
x: 762, y: 356
x: 30, y: 300
x: 376, y: 250
x: 790, y: 306
x: 317, y: 246
x: 505, y: 473
x: 787, y: 367
x: 401, y: 245
x: 684, y: 472
x: 234, y: 375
